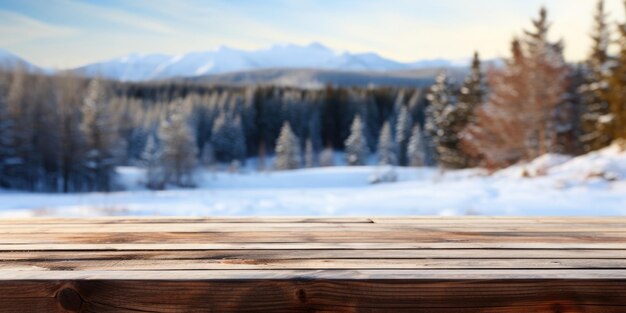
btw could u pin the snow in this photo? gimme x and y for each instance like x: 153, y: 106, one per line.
x: 140, y: 67
x: 552, y: 185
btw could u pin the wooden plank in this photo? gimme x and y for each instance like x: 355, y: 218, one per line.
x: 319, y: 227
x: 308, y: 245
x: 312, y: 264
x: 423, y: 220
x: 314, y: 254
x: 342, y: 236
x: 320, y: 240
x: 391, y: 264
x: 341, y: 274
x: 456, y: 296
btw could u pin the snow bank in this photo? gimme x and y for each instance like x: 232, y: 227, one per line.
x: 608, y: 163
x: 538, y: 167
x: 605, y: 164
x: 552, y: 185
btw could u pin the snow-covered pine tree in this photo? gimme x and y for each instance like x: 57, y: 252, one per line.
x: 594, y: 92
x: 100, y: 138
x: 294, y: 111
x: 69, y: 102
x: 415, y: 150
x: 416, y: 104
x: 228, y: 140
x: 7, y: 146
x: 327, y: 157
x: 472, y: 92
x: 287, y: 149
x: 249, y: 119
x: 357, y: 150
x: 470, y: 97
x: 439, y: 118
x: 201, y: 121
x: 403, y: 133
x: 152, y: 163
x: 16, y: 133
x: 309, y: 154
x: 314, y: 123
x: 398, y: 104
x: 567, y: 115
x: 178, y: 157
x: 386, y: 147
x: 371, y: 120
x: 45, y: 141
x: 617, y: 87
x: 30, y: 132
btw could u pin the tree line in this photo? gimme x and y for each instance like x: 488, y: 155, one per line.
x: 62, y: 133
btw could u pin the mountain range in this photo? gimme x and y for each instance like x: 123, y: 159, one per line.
x: 227, y: 63
x: 9, y: 60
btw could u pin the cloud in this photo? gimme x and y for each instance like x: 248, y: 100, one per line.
x: 118, y: 16
x: 125, y: 18
x: 405, y: 30
x: 16, y: 29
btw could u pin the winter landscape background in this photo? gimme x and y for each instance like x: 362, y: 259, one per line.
x: 307, y: 130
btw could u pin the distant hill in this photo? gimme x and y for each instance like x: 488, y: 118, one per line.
x: 10, y: 61
x: 137, y: 67
x: 317, y: 78
x: 310, y: 66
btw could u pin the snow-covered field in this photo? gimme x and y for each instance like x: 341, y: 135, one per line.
x: 593, y: 184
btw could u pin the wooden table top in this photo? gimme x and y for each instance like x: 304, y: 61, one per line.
x: 427, y: 264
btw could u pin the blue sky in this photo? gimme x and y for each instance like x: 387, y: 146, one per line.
x: 66, y: 33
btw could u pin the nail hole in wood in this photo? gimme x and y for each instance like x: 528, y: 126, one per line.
x: 301, y: 294
x: 70, y: 299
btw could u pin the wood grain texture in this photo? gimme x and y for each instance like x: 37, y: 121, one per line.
x: 302, y: 264
x: 314, y: 296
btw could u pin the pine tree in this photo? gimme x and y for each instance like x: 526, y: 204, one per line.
x: 415, y: 150
x: 617, y: 87
x: 69, y: 102
x: 386, y: 147
x: 470, y: 97
x: 287, y: 149
x: 472, y: 92
x: 594, y: 92
x: 16, y: 133
x: 517, y: 121
x: 440, y: 119
x: 309, y: 154
x: 403, y: 133
x: 496, y: 137
x: 152, y: 163
x: 546, y: 79
x: 100, y: 138
x: 125, y: 114
x: 178, y: 158
x: 357, y: 150
x: 228, y: 141
x: 7, y: 152
x: 567, y: 115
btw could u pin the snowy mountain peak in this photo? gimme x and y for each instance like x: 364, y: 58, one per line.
x: 224, y: 59
x: 11, y: 61
x: 317, y: 45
